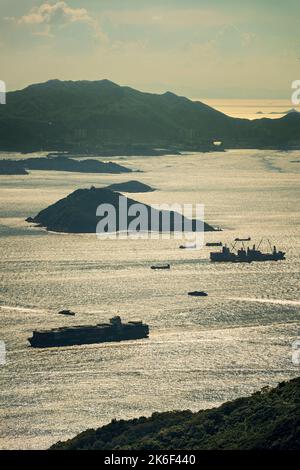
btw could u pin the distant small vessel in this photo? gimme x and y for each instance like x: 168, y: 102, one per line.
x: 198, y: 293
x: 214, y: 244
x: 67, y: 312
x: 161, y: 266
x: 242, y: 239
x: 115, y: 330
x: 188, y: 246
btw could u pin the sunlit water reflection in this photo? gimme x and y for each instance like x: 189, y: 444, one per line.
x: 201, y: 351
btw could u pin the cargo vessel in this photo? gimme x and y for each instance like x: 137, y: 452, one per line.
x: 198, y: 293
x: 161, y: 266
x: 115, y: 330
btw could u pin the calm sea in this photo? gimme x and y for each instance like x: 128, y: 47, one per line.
x: 201, y: 351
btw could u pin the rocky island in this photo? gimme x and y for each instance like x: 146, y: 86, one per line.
x: 266, y: 420
x: 131, y: 187
x: 11, y: 167
x: 76, y: 213
x: 135, y: 122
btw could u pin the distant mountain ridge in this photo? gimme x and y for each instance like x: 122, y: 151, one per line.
x: 87, y: 115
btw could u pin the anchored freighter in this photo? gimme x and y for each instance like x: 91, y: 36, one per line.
x: 115, y: 330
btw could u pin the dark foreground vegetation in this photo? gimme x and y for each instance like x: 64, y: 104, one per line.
x: 76, y: 213
x: 269, y: 419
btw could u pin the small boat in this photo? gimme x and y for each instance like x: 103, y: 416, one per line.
x: 67, y: 312
x: 214, y: 244
x: 115, y: 330
x: 242, y: 239
x: 198, y: 293
x: 161, y: 266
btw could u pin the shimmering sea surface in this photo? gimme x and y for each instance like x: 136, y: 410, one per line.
x: 201, y: 351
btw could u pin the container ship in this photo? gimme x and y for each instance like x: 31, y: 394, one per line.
x: 115, y: 330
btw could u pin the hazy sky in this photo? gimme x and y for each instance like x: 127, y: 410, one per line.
x: 199, y: 48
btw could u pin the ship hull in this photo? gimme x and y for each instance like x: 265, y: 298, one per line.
x: 232, y: 258
x: 72, y: 337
